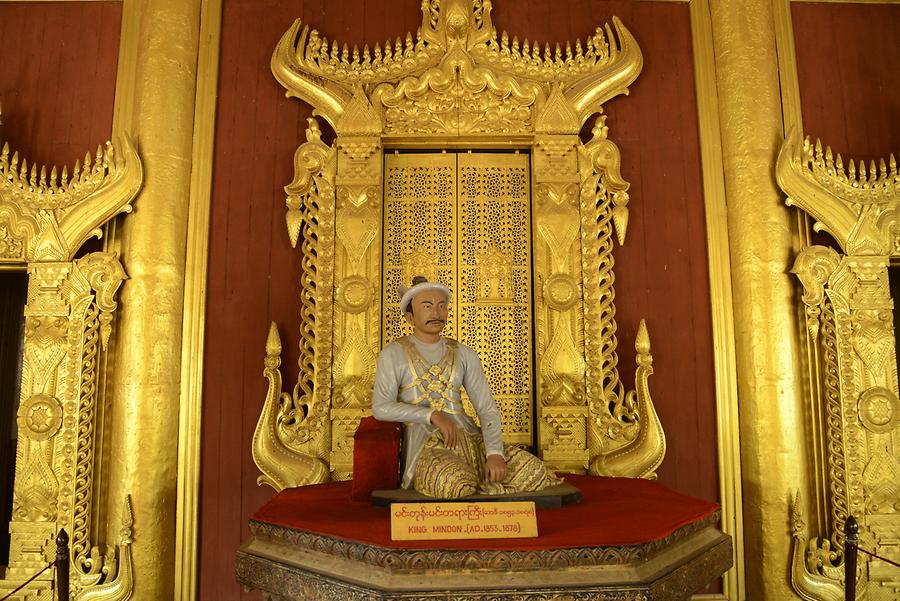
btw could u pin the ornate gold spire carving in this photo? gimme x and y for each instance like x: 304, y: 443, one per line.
x: 456, y: 81
x: 849, y: 313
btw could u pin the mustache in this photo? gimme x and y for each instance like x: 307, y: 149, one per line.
x: 437, y: 321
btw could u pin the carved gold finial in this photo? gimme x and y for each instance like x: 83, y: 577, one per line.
x: 118, y: 574
x: 807, y: 578
x: 48, y: 216
x: 282, y: 466
x: 641, y: 456
x: 857, y: 207
x: 314, y: 168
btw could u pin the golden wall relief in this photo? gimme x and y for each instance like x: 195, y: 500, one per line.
x: 519, y: 243
x: 45, y: 217
x: 849, y: 313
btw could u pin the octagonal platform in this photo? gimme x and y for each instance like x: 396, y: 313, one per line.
x: 627, y: 540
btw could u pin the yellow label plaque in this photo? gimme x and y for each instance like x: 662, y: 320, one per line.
x: 434, y: 521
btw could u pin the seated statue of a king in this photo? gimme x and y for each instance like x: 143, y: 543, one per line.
x: 418, y: 381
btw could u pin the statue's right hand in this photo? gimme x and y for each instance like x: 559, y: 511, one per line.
x: 448, y: 428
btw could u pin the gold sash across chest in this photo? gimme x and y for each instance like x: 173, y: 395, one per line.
x: 433, y: 381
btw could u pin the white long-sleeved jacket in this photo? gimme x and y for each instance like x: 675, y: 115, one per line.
x: 393, y: 398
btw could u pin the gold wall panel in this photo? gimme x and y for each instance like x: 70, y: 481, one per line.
x: 420, y: 232
x: 493, y: 294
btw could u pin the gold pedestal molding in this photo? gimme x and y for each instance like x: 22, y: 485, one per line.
x: 459, y: 83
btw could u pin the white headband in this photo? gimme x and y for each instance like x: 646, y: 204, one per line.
x: 407, y: 294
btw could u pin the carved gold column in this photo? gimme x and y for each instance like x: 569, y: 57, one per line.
x: 146, y: 389
x: 357, y: 310
x: 773, y: 451
x: 562, y: 404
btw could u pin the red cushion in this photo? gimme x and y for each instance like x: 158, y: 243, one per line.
x: 376, y: 457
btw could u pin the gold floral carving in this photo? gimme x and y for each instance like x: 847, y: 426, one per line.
x: 849, y: 305
x: 456, y: 80
x: 40, y: 417
x: 46, y: 214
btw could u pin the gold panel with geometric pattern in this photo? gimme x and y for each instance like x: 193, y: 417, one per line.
x: 464, y: 219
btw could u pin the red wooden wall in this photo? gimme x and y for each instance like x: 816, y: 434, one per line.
x: 253, y: 272
x: 58, y: 77
x: 848, y: 65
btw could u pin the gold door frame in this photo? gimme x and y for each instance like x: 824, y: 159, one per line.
x: 46, y: 215
x: 849, y: 319
x: 459, y: 83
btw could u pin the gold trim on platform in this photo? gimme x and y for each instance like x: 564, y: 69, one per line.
x: 194, y: 324
x: 727, y: 425
x: 300, y: 565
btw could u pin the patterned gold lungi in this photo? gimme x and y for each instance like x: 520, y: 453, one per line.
x: 454, y: 473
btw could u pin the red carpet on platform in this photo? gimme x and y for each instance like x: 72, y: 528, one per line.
x: 613, y: 512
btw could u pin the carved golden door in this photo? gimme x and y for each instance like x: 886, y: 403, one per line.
x: 464, y: 219
x: 461, y: 84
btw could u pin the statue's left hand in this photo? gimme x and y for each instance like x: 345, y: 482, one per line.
x: 495, y: 468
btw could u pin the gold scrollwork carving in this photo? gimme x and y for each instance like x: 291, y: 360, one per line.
x: 46, y: 215
x: 625, y: 434
x: 813, y: 266
x: 292, y: 434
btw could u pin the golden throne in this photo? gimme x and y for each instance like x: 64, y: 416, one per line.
x: 457, y: 155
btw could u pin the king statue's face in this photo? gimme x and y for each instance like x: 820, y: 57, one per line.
x: 429, y: 313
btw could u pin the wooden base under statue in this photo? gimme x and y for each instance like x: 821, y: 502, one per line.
x: 349, y: 554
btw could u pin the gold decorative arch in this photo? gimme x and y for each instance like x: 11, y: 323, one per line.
x: 849, y: 317
x: 45, y: 217
x: 459, y: 83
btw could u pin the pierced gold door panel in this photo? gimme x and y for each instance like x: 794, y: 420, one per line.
x: 464, y: 219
